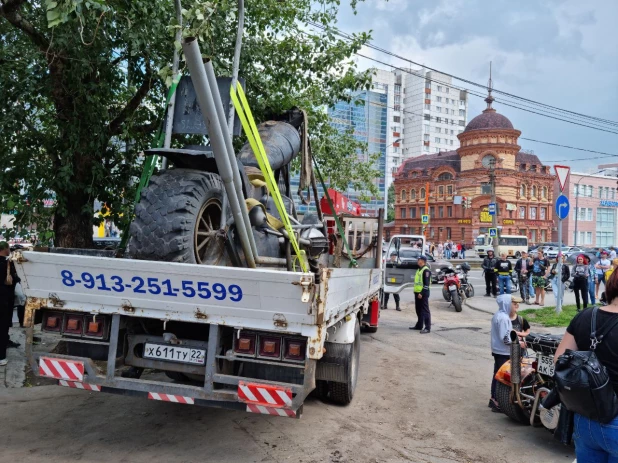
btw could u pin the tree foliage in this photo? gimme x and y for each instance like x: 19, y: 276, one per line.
x: 390, y: 203
x: 83, y: 85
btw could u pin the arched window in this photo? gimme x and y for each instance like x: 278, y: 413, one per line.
x: 534, y: 191
x: 404, y: 197
x: 522, y: 190
x: 544, y: 192
x: 445, y: 176
x: 422, y: 193
x: 412, y: 194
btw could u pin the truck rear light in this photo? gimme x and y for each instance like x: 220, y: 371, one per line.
x: 94, y: 327
x: 52, y: 321
x: 270, y: 347
x: 245, y: 344
x: 294, y: 349
x: 73, y: 324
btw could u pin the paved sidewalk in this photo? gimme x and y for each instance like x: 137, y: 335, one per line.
x: 14, y: 374
x: 488, y: 304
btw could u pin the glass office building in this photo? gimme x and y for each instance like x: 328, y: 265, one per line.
x: 369, y: 121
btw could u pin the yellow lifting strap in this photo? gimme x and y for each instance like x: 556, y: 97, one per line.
x: 248, y: 123
x: 272, y: 221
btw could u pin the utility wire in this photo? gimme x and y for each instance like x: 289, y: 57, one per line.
x: 382, y: 50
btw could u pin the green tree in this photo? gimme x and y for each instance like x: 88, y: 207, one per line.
x: 83, y: 82
x: 390, y: 203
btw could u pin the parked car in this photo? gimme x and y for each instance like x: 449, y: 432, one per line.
x: 409, y: 256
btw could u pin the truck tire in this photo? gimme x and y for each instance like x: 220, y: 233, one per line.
x: 370, y: 329
x: 342, y: 393
x: 456, y: 301
x: 178, y: 218
x: 510, y: 409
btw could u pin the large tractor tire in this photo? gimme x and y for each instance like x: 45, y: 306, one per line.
x: 342, y: 393
x: 510, y: 408
x: 178, y: 219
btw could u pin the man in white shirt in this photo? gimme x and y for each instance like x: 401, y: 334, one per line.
x: 612, y: 253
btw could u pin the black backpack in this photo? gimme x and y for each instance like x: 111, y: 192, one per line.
x: 583, y: 382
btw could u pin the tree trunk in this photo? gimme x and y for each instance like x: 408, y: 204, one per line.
x: 74, y: 230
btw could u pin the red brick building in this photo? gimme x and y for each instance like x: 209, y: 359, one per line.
x: 455, y: 185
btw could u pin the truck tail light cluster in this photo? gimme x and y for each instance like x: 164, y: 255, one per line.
x: 269, y: 346
x: 72, y: 324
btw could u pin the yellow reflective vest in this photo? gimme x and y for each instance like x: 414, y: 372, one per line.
x: 418, y: 279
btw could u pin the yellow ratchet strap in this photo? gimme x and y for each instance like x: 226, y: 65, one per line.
x: 248, y: 123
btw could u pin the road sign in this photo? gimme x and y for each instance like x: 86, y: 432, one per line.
x: 562, y: 207
x: 424, y: 219
x: 492, y: 208
x: 563, y: 173
x: 493, y: 232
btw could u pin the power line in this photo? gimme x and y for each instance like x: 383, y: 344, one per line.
x: 382, y: 50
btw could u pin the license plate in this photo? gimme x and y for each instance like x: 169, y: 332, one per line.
x: 452, y: 288
x: 174, y: 353
x: 545, y: 365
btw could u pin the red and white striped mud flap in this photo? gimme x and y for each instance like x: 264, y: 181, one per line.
x: 266, y: 399
x: 61, y: 369
x: 76, y: 385
x: 179, y: 399
x: 271, y: 410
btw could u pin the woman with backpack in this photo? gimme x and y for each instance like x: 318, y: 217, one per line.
x: 581, y: 275
x: 595, y: 441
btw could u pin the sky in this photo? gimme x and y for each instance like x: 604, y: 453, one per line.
x: 562, y: 53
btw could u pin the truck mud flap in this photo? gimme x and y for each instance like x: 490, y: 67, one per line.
x: 332, y: 366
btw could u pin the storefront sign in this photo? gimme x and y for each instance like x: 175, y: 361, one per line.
x: 484, y: 215
x: 607, y: 203
x: 511, y: 207
x: 535, y: 222
x: 464, y: 221
x: 508, y: 222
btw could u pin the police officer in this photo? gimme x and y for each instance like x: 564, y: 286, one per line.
x: 422, y: 280
x: 489, y: 267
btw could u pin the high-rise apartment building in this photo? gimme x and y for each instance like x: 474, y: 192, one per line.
x: 406, y: 114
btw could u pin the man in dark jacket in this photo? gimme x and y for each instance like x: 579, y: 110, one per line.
x: 489, y: 270
x: 523, y: 268
x: 7, y: 300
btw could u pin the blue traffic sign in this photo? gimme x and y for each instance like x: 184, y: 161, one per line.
x: 493, y: 232
x: 562, y: 207
x: 492, y: 208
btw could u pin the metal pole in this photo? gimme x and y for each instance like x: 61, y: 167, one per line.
x: 492, y: 181
x: 206, y: 100
x: 169, y: 122
x: 576, y: 208
x: 214, y: 89
x: 236, y: 63
x: 559, y: 270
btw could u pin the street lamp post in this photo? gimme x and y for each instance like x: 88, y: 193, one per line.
x: 577, y: 202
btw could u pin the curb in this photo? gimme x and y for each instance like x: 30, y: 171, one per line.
x: 478, y: 309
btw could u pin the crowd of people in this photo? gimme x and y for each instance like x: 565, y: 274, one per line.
x: 446, y: 250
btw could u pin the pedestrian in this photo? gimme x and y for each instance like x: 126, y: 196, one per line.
x: 8, y: 280
x: 489, y: 271
x: 592, y: 280
x: 503, y: 269
x: 385, y: 295
x: 463, y: 250
x: 555, y: 279
x: 595, y: 441
x: 601, y: 267
x: 440, y: 250
x: 447, y: 250
x: 432, y: 249
x: 501, y: 327
x: 540, y: 269
x: 581, y: 275
x: 522, y: 267
x: 612, y: 253
x: 422, y: 281
x: 520, y: 324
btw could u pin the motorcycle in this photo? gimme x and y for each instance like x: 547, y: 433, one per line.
x: 456, y: 287
x: 525, y: 388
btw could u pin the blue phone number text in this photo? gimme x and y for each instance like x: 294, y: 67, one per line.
x: 141, y: 285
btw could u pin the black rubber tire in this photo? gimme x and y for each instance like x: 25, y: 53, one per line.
x: 342, y: 393
x: 517, y: 255
x: 177, y: 376
x: 456, y: 301
x: 470, y: 292
x: 370, y: 329
x: 446, y: 294
x: 510, y: 409
x: 167, y: 215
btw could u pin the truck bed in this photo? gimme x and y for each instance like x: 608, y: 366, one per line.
x: 260, y: 299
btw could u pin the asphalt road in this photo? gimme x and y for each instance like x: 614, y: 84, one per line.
x: 420, y: 398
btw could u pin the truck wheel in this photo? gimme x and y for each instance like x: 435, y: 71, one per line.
x: 456, y: 301
x: 510, y: 408
x: 342, y: 393
x: 178, y: 218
